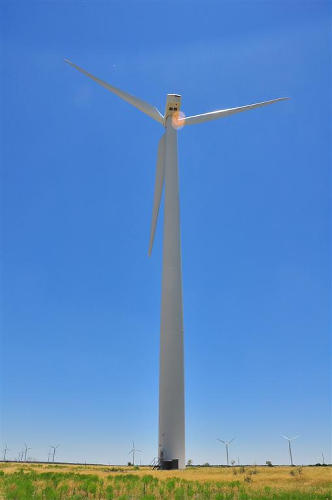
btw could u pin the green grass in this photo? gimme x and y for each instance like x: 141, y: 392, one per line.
x: 22, y: 485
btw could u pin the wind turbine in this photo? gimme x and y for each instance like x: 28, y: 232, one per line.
x: 226, y: 443
x: 5, y: 452
x: 54, y: 448
x: 26, y: 451
x: 289, y: 446
x: 133, y: 451
x: 171, y: 442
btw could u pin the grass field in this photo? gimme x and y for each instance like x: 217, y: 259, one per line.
x: 20, y: 481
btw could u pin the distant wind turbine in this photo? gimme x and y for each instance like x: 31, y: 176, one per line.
x: 226, y: 443
x: 289, y: 446
x: 26, y: 451
x: 133, y: 451
x: 54, y: 448
x: 171, y: 442
x: 5, y: 452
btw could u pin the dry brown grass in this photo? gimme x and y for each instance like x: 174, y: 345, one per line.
x: 284, y: 478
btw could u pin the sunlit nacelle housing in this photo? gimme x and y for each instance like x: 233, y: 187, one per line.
x: 173, y: 103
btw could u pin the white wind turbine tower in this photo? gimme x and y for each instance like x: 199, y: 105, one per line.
x: 26, y: 449
x: 171, y: 448
x: 54, y: 448
x: 133, y: 451
x: 289, y: 446
x: 226, y: 443
x: 7, y: 449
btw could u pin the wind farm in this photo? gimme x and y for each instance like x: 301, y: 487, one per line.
x: 211, y: 482
x: 62, y: 480
x: 165, y: 251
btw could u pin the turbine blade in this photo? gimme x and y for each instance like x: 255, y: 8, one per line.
x: 152, y: 111
x: 231, y: 441
x: 213, y: 115
x: 285, y: 437
x: 221, y: 440
x: 158, y: 189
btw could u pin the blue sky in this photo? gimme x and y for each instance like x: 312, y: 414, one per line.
x: 81, y: 299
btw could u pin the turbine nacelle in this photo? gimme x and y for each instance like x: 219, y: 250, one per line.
x: 173, y: 104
